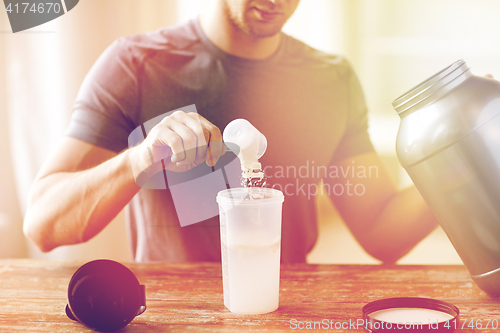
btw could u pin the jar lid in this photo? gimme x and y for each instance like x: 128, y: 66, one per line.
x: 105, y: 295
x: 410, y: 314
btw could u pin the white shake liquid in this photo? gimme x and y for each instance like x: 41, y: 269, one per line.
x: 253, y: 278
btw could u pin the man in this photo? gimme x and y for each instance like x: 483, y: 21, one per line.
x: 233, y: 62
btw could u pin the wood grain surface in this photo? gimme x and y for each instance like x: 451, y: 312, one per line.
x: 188, y: 297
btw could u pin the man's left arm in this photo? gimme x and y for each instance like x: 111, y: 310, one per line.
x: 386, y: 222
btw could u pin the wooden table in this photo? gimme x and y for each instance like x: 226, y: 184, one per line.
x: 188, y: 297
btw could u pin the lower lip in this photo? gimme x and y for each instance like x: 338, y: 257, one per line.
x: 265, y: 16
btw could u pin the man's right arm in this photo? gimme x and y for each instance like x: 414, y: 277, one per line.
x: 78, y: 191
x: 82, y: 187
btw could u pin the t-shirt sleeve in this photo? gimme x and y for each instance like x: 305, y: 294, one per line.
x: 107, y: 98
x: 356, y: 139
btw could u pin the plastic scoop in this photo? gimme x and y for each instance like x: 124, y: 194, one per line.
x: 251, y: 142
x: 252, y: 145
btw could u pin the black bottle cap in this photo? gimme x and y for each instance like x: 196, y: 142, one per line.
x: 105, y: 296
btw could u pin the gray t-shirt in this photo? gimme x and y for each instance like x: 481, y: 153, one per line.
x: 309, y: 105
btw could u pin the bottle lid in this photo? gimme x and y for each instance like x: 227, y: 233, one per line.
x: 104, y: 295
x: 413, y: 314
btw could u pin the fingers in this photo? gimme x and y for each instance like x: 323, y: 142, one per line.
x: 166, y: 143
x: 184, y: 150
x: 215, y: 147
x: 189, y: 138
x: 489, y: 76
x: 193, y: 137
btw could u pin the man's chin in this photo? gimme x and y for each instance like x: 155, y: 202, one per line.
x: 264, y: 32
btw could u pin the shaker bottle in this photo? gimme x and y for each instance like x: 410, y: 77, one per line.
x: 250, y: 227
x: 449, y: 143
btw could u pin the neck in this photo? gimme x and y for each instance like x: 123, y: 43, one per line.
x: 221, y: 31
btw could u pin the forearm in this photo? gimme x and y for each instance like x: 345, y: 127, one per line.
x: 72, y: 207
x: 402, y: 223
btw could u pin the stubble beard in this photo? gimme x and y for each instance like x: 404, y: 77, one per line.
x: 241, y: 23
